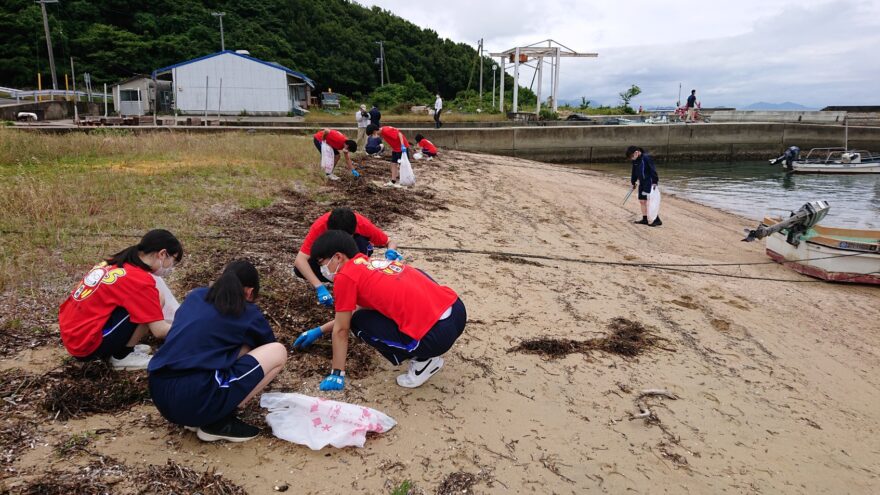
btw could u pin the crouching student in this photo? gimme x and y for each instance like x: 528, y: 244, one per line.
x: 399, y: 310
x: 219, y: 354
x: 374, y: 146
x: 426, y: 147
x: 398, y: 144
x: 339, y: 142
x: 365, y: 234
x: 118, y: 302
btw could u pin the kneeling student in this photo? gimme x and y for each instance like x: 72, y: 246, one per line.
x: 219, y: 354
x: 427, y: 147
x: 119, y: 301
x: 397, y: 309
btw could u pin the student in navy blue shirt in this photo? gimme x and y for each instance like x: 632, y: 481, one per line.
x: 645, y: 172
x: 219, y: 353
x: 374, y: 145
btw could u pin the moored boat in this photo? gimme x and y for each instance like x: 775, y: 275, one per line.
x: 833, y: 254
x: 836, y: 160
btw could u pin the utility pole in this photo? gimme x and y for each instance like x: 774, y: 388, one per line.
x: 494, y: 68
x: 49, y: 40
x: 481, y: 72
x: 222, y: 41
x: 381, y: 62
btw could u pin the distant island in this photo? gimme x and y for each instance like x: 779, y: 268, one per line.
x: 788, y: 105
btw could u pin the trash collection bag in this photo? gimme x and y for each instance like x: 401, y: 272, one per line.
x: 328, y: 158
x: 317, y: 422
x: 407, y: 176
x: 169, y: 308
x: 654, y: 203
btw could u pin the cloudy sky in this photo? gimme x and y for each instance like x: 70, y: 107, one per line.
x: 812, y: 52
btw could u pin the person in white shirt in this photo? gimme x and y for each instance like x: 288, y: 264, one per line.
x: 438, y: 107
x: 362, y: 117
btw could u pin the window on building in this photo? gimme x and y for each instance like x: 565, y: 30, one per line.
x: 128, y: 95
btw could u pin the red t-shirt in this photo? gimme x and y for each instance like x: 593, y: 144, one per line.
x: 428, y: 146
x: 84, y: 313
x: 389, y: 134
x: 400, y: 292
x: 364, y: 227
x: 335, y: 139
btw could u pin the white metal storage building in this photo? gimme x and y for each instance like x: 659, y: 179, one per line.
x: 234, y: 83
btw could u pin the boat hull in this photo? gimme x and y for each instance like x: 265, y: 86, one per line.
x: 836, y: 168
x: 823, y: 262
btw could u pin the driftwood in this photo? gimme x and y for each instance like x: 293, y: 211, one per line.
x: 644, y: 411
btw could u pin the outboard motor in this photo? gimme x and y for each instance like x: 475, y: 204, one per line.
x: 797, y: 223
x: 790, y: 155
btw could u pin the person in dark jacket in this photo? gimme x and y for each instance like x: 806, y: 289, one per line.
x: 375, y: 116
x: 645, y: 172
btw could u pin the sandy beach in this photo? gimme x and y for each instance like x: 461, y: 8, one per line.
x: 776, y: 381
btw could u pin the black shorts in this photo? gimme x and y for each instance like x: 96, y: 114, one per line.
x: 644, y: 192
x: 382, y: 333
x: 114, y: 336
x: 364, y: 246
x: 396, y: 155
x: 201, y: 397
x: 428, y: 153
x: 318, y: 146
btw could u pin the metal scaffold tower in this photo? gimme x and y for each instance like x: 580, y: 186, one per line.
x: 533, y: 56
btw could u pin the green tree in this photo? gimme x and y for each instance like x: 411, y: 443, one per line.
x: 628, y: 95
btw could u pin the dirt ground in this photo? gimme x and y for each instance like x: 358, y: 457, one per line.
x: 753, y: 386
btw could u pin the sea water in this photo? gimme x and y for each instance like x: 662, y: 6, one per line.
x: 755, y: 190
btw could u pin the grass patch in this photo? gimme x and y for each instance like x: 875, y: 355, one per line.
x: 410, y: 118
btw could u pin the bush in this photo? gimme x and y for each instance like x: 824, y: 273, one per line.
x: 548, y: 114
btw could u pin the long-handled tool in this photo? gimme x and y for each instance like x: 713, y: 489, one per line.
x: 628, y: 195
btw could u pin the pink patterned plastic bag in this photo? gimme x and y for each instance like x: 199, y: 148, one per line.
x: 317, y: 422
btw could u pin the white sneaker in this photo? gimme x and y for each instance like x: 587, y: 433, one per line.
x: 134, y: 361
x: 143, y: 349
x: 389, y: 184
x: 419, y: 372
x: 397, y: 185
x: 430, y: 158
x: 332, y: 176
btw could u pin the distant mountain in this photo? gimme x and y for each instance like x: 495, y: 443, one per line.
x: 763, y: 105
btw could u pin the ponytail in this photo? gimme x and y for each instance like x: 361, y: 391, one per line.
x: 227, y: 293
x: 152, y: 242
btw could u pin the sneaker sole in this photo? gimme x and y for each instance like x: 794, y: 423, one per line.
x: 208, y: 437
x: 193, y: 429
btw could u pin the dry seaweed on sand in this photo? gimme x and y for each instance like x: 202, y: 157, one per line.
x: 80, y: 389
x: 457, y: 483
x: 16, y: 336
x: 315, y: 361
x: 107, y: 475
x: 626, y: 338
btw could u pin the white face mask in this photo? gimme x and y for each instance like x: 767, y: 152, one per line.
x: 325, y: 271
x: 164, y: 271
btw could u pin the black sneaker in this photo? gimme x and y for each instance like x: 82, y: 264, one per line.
x: 230, y: 429
x: 656, y: 223
x: 643, y: 221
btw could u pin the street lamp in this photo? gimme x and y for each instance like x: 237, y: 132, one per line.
x: 494, y: 68
x: 222, y: 41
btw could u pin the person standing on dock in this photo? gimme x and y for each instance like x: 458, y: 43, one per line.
x: 691, y: 106
x: 438, y: 109
x: 375, y: 116
x: 645, y: 172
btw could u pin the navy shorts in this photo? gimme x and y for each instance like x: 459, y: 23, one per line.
x: 114, y: 336
x: 428, y: 153
x: 381, y: 333
x: 364, y: 246
x: 373, y: 151
x: 644, y: 192
x: 395, y: 155
x: 201, y: 397
x: 318, y: 146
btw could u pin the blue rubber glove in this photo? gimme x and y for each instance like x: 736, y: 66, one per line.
x: 307, y: 338
x: 356, y: 174
x: 403, y: 149
x: 392, y: 255
x: 332, y: 382
x: 324, y: 296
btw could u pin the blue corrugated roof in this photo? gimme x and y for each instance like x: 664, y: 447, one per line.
x: 231, y: 52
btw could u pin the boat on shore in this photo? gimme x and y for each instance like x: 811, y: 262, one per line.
x: 827, y: 253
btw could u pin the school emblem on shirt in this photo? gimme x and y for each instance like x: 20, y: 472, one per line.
x: 100, y: 274
x: 384, y: 266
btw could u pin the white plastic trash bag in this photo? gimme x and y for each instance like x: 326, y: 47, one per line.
x: 654, y: 203
x: 407, y: 176
x: 317, y: 422
x: 169, y: 308
x: 328, y: 158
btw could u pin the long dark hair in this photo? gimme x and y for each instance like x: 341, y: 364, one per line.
x: 227, y: 293
x: 152, y: 242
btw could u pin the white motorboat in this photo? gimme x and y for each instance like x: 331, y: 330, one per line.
x: 836, y: 160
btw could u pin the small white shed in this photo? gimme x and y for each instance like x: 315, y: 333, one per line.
x: 234, y: 83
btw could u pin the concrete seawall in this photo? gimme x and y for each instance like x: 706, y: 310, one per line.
x: 597, y: 143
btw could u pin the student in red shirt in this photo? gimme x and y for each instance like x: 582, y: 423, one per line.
x: 398, y: 143
x: 117, y: 303
x: 399, y: 310
x: 427, y: 147
x: 339, y: 142
x: 365, y: 234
